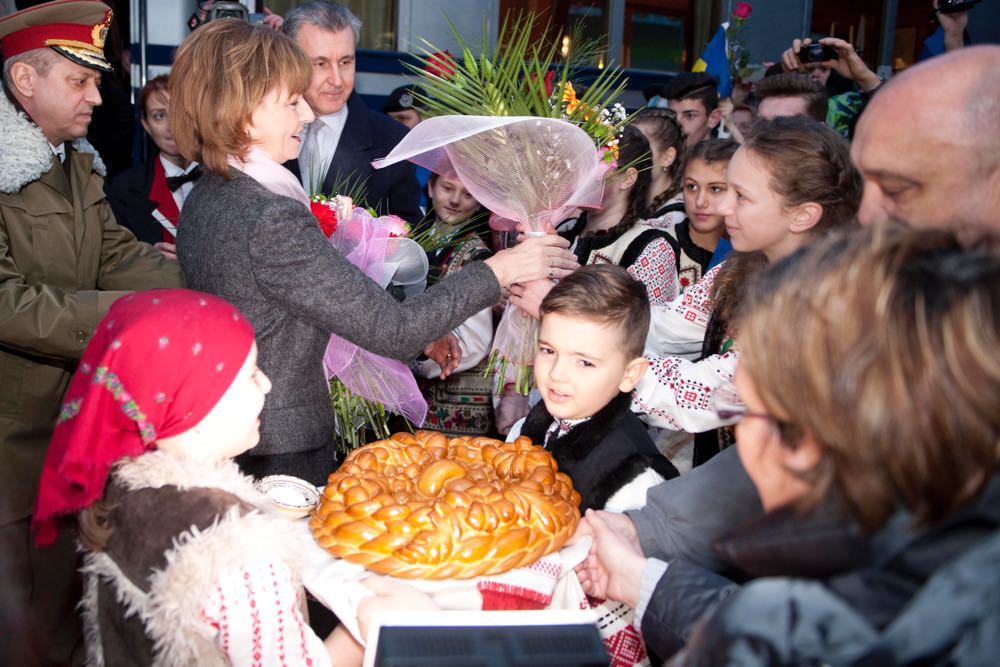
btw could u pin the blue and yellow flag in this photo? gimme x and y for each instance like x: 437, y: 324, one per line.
x: 715, y: 61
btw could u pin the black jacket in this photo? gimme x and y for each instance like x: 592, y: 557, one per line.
x: 128, y: 194
x: 603, y: 454
x: 369, y: 135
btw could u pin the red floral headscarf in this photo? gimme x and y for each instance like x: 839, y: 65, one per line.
x: 156, y: 366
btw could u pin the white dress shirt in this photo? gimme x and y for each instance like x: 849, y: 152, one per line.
x: 59, y: 151
x: 319, y: 144
x: 170, y: 169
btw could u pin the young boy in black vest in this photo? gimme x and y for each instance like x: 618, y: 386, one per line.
x: 593, y: 328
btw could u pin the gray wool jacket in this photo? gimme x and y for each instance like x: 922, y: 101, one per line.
x: 265, y: 254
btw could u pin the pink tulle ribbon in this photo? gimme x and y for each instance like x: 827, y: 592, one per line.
x: 365, y: 242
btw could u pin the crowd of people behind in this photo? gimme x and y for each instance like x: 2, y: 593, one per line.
x: 766, y: 360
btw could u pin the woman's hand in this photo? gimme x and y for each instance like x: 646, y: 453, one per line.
x: 613, y: 568
x: 528, y: 296
x: 532, y: 259
x: 390, y: 596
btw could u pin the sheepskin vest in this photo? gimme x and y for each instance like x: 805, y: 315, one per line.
x: 178, y: 526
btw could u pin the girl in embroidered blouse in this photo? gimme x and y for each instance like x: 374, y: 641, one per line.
x: 185, y: 562
x: 789, y: 183
x: 617, y: 233
x: 458, y: 403
x: 666, y: 143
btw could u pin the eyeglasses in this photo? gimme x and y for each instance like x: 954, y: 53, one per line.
x: 726, y: 403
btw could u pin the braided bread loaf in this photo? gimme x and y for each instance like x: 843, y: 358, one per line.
x: 424, y: 506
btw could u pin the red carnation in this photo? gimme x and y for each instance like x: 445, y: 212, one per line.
x: 441, y: 65
x: 549, y: 78
x: 742, y: 10
x: 325, y: 216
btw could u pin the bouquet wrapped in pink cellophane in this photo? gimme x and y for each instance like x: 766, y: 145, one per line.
x: 532, y: 170
x: 375, y: 246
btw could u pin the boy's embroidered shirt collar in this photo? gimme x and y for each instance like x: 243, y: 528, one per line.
x: 560, y: 427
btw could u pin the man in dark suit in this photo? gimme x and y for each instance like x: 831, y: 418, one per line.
x: 147, y: 199
x: 339, y: 146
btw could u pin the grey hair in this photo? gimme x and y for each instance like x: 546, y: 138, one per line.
x: 41, y: 60
x: 326, y: 15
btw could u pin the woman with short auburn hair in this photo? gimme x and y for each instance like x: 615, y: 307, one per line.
x: 249, y: 237
x: 869, y: 408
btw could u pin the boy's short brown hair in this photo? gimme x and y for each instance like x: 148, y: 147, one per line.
x: 221, y: 74
x: 607, y: 294
x: 793, y: 84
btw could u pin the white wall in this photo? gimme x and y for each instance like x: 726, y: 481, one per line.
x: 420, y: 20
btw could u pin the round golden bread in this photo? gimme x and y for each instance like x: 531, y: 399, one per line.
x: 424, y: 506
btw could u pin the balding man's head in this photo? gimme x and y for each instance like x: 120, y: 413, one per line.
x: 929, y: 143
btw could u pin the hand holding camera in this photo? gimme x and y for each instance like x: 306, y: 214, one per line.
x: 837, y: 53
x: 954, y: 18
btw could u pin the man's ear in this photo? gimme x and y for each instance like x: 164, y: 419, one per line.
x: 805, y: 216
x: 633, y: 373
x: 24, y: 78
x: 715, y: 118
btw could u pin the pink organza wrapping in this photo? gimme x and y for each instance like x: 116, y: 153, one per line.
x: 365, y: 243
x: 530, y: 170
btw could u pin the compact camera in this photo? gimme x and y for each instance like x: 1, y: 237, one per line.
x: 220, y: 9
x: 956, y: 6
x: 817, y: 53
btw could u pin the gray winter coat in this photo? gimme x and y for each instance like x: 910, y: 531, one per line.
x: 265, y: 254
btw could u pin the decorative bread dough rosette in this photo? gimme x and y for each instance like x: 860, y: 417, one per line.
x: 424, y: 506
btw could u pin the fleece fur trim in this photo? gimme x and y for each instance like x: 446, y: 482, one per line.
x: 157, y: 469
x: 25, y: 155
x: 172, y: 610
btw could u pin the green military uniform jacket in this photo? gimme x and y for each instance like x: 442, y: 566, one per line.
x: 63, y: 261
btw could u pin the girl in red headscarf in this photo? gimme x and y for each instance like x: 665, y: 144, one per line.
x: 185, y: 561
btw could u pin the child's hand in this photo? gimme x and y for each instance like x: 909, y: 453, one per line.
x: 528, y: 296
x: 511, y: 408
x: 446, y: 352
x: 389, y: 596
x: 613, y: 568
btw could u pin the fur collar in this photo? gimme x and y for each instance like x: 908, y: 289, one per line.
x: 155, y: 469
x: 25, y: 155
x: 171, y: 610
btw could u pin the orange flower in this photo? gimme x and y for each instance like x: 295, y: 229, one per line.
x: 569, y: 97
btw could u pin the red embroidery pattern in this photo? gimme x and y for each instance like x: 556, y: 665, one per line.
x: 255, y: 615
x: 696, y: 304
x: 625, y: 647
x: 302, y: 631
x: 656, y: 269
x: 281, y: 614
